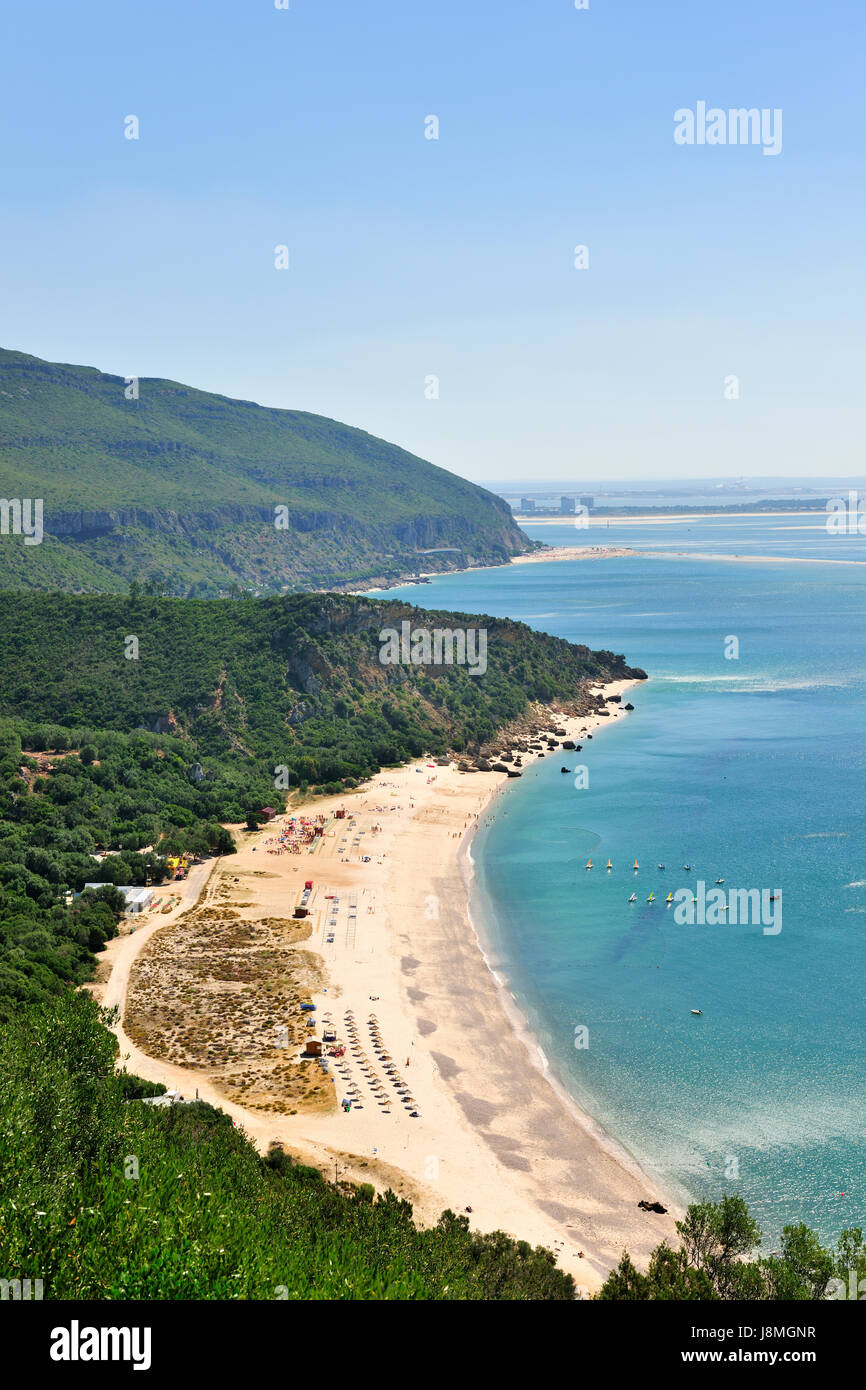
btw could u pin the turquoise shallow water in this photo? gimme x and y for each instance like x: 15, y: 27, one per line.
x: 749, y: 769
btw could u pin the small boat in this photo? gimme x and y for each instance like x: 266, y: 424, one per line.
x: 589, y: 863
x: 688, y: 868
x: 609, y: 864
x: 651, y: 898
x: 697, y: 1012
x: 661, y: 866
x: 720, y: 880
x: 669, y: 898
x: 633, y: 898
x: 635, y: 866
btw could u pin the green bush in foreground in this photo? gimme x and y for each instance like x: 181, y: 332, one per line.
x: 103, y: 1197
x: 712, y: 1263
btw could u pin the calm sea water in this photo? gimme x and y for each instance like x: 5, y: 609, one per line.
x: 749, y: 769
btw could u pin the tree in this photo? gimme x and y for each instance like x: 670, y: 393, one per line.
x: 714, y: 1235
x: 710, y: 1265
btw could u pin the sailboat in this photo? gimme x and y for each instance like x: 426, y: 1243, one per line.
x: 589, y: 863
x: 633, y: 898
x: 669, y: 898
x: 651, y: 898
x: 609, y: 864
x: 635, y: 866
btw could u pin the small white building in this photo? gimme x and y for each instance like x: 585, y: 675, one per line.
x: 137, y: 899
x: 168, y: 1098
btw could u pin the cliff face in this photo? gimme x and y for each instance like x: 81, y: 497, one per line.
x: 195, y: 493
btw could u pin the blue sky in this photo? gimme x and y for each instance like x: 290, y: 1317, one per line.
x: 413, y: 257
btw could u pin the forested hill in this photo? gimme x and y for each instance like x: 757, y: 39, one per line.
x: 296, y: 680
x: 142, y: 726
x: 178, y: 488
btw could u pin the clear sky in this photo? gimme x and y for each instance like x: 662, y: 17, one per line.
x: 454, y: 257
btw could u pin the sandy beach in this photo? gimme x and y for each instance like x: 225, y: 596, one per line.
x: 449, y: 1102
x: 662, y: 519
x: 573, y: 552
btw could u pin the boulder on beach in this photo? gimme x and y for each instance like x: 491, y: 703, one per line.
x: 569, y: 743
x: 628, y: 706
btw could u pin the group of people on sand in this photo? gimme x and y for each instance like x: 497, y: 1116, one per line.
x: 297, y: 834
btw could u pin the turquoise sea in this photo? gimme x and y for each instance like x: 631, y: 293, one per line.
x: 749, y: 769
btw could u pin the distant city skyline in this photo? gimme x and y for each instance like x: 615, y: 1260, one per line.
x: 498, y: 252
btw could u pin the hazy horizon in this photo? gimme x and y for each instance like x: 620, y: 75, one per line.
x: 412, y: 258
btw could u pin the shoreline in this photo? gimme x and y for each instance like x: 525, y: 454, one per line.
x: 651, y: 518
x: 557, y: 553
x: 493, y: 1130
x: 522, y: 1027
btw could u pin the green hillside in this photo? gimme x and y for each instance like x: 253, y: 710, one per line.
x: 295, y: 679
x: 202, y: 1216
x: 179, y: 489
x: 152, y: 755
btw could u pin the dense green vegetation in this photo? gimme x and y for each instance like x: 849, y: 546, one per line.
x: 103, y: 1197
x: 712, y: 1262
x: 179, y: 488
x: 128, y: 794
x: 292, y: 681
x: 228, y: 706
